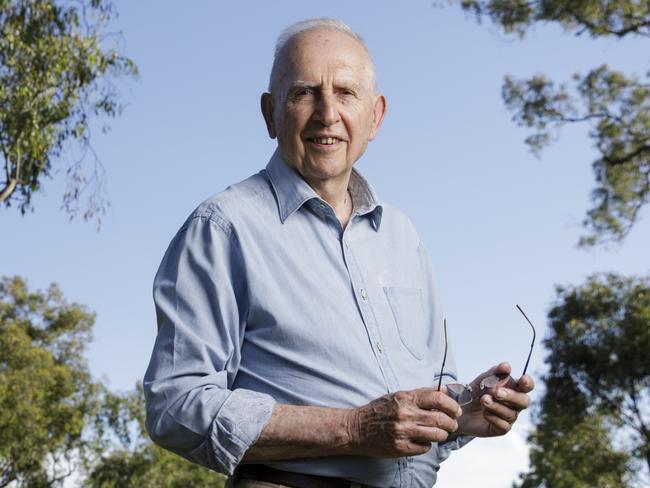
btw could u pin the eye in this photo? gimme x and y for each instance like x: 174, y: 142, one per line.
x: 347, y: 93
x: 303, y: 92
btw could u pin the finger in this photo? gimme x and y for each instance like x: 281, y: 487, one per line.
x: 496, y: 425
x: 440, y: 420
x: 415, y: 448
x: 503, y: 368
x: 525, y: 384
x: 513, y: 398
x: 499, y: 410
x: 432, y: 399
x: 427, y: 435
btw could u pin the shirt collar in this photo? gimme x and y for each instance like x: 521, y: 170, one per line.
x: 292, y: 191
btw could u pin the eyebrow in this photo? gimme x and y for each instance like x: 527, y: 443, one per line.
x: 302, y: 84
x: 309, y: 84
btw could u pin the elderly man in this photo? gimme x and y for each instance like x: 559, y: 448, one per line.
x: 299, y: 337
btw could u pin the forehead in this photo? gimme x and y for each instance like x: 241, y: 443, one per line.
x: 316, y: 55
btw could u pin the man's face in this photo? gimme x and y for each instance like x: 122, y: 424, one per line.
x: 325, y: 109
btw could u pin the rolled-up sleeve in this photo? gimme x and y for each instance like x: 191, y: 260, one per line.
x: 201, y: 300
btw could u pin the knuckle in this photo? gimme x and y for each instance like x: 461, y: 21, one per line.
x: 401, y: 446
x: 440, y: 398
x: 441, y: 435
x: 439, y: 420
x: 401, y: 414
x: 442, y: 421
x: 398, y: 431
x: 401, y: 396
x: 505, y: 428
x: 432, y: 419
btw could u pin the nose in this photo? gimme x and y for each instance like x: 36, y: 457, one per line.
x: 326, y: 110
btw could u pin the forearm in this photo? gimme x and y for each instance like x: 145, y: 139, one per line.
x: 303, y: 431
x: 398, y: 424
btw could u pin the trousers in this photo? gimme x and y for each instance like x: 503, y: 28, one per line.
x: 255, y: 484
x: 230, y: 483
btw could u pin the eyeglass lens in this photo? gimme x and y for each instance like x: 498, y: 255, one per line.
x: 463, y: 394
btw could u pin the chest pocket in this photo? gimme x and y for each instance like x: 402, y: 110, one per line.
x: 408, y: 311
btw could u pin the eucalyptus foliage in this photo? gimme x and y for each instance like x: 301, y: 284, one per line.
x: 57, y: 66
x: 47, y: 397
x: 56, y: 422
x: 137, y: 462
x: 593, y: 425
x: 615, y: 105
x: 598, y: 18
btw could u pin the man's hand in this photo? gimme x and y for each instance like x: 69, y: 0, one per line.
x: 399, y: 424
x: 403, y: 423
x: 497, y: 409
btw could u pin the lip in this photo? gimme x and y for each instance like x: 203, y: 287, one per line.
x: 324, y: 147
x: 310, y: 140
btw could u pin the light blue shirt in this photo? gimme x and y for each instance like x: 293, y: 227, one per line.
x: 263, y: 297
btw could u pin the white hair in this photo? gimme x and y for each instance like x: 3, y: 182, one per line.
x: 291, y: 32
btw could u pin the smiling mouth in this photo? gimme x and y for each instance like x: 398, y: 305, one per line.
x: 327, y: 141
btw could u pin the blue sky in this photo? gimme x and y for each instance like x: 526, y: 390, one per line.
x: 500, y: 225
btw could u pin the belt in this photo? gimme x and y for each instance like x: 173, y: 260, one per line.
x: 259, y: 472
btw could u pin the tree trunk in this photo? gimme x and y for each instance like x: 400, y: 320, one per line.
x: 9, y: 188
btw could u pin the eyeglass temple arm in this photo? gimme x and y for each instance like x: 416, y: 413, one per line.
x: 532, y: 343
x: 444, y: 357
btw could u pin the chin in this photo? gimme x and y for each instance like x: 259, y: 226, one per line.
x: 325, y: 170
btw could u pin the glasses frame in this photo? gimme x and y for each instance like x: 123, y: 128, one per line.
x: 490, y: 381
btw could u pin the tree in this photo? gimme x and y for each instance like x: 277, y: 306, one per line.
x: 57, y: 65
x: 138, y: 463
x: 55, y: 420
x: 615, y: 105
x: 47, y: 396
x: 593, y: 426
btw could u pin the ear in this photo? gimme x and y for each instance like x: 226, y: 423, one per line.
x: 266, y: 104
x: 379, y: 110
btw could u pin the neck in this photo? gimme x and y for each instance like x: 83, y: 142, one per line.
x: 337, y: 195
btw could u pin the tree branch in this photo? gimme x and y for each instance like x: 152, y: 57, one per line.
x: 624, y: 159
x: 12, y: 181
x: 632, y: 28
x: 7, y: 476
x: 9, y: 188
x: 585, y: 118
x: 643, y: 428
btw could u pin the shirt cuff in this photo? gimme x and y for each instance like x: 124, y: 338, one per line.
x: 236, y: 427
x: 451, y: 444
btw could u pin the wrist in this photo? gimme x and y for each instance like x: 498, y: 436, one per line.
x: 352, y: 429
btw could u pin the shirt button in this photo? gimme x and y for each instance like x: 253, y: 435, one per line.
x: 380, y: 348
x: 322, y: 205
x: 363, y: 293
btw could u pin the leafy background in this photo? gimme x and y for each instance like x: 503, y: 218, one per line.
x: 500, y: 223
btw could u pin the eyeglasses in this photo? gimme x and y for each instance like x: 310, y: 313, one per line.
x: 465, y: 394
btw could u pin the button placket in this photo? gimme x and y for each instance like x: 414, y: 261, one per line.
x: 367, y: 314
